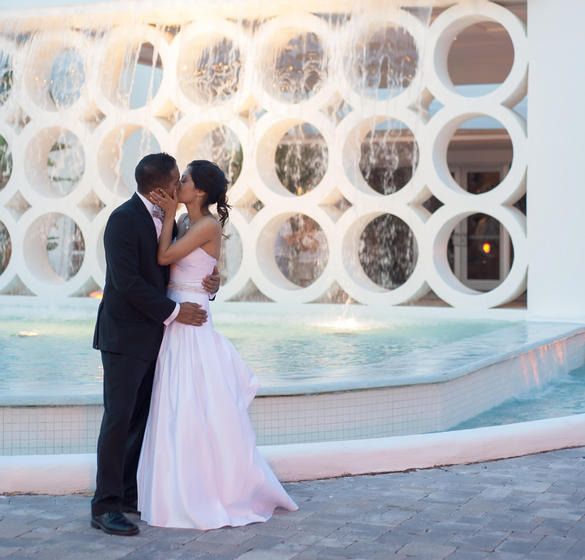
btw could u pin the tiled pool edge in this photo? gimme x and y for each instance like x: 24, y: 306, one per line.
x: 68, y: 474
x: 342, y: 415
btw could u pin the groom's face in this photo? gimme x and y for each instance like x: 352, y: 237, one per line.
x: 174, y: 182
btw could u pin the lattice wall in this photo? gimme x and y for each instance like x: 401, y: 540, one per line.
x: 179, y: 119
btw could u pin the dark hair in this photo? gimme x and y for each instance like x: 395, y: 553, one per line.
x: 153, y: 171
x: 209, y: 178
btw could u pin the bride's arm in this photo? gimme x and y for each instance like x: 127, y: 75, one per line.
x: 206, y: 229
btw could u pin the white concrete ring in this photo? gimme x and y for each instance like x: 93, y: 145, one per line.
x: 95, y: 244
x: 11, y: 186
x: 185, y: 50
x: 32, y: 149
x: 441, y: 129
x: 440, y: 36
x: 270, y: 129
x: 347, y: 268
x: 270, y: 39
x: 35, y: 270
x: 263, y: 269
x: 237, y: 283
x: 110, y: 62
x: 359, y: 28
x: 106, y: 145
x: 439, y: 275
x: 10, y: 53
x: 349, y: 135
x: 38, y: 59
x: 15, y: 263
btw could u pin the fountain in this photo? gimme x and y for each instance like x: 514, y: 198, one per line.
x: 325, y: 120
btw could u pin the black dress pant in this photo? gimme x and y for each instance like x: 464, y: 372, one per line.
x: 127, y: 389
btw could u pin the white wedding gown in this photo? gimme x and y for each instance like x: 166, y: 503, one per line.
x: 199, y: 466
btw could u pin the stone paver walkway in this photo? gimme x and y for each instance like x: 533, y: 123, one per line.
x: 529, y: 507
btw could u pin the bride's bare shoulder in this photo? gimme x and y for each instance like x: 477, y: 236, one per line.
x: 210, y: 221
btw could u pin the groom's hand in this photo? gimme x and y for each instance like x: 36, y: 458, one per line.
x: 211, y: 282
x: 191, y: 314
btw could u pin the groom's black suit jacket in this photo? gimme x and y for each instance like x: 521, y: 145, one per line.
x: 134, y: 306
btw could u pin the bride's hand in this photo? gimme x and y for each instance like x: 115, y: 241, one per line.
x: 164, y: 201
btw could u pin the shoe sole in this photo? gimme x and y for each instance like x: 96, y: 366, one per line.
x: 113, y: 532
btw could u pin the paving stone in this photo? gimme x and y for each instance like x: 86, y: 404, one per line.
x: 262, y: 542
x: 530, y: 507
x: 555, y: 545
x: 266, y: 555
x: 560, y: 513
x: 484, y: 541
x: 517, y: 545
x: 427, y: 550
x: 460, y: 554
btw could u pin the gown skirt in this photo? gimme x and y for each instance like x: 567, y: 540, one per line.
x: 199, y: 466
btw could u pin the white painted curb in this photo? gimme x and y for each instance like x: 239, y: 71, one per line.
x: 67, y: 474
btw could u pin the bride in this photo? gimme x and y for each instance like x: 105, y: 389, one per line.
x: 199, y: 466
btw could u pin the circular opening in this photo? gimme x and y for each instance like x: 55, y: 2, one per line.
x: 231, y: 253
x: 389, y: 156
x: 135, y: 147
x: 211, y: 73
x: 55, y: 161
x: 301, y: 159
x: 482, y: 150
x: 299, y: 66
x: 222, y: 146
x: 300, y: 250
x: 65, y: 163
x: 5, y: 162
x: 388, y: 251
x: 480, y: 252
x: 133, y: 74
x: 5, y: 248
x: 67, y: 78
x: 6, y: 76
x: 384, y: 63
x: 480, y: 58
x: 54, y: 248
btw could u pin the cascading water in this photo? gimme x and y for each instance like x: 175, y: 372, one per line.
x: 379, y: 59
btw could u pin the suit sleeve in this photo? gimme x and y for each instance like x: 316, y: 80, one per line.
x: 121, y: 243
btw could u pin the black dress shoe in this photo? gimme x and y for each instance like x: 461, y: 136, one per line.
x: 114, y: 523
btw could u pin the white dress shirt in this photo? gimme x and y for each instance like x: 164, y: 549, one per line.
x: 158, y: 225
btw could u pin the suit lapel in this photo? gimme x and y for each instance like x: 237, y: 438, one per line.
x: 144, y: 213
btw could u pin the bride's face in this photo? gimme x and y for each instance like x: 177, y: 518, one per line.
x: 187, y: 191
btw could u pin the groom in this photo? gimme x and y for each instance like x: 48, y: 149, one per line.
x: 129, y: 330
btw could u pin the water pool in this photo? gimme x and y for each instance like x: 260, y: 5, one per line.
x: 561, y: 397
x: 44, y: 356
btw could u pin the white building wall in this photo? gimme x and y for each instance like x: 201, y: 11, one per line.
x: 556, y: 157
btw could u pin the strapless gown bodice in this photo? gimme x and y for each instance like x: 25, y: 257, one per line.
x: 187, y: 273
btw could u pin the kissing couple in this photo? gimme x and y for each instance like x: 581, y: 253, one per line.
x: 176, y: 445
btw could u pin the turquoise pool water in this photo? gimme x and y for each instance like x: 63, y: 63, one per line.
x: 562, y: 397
x: 48, y: 357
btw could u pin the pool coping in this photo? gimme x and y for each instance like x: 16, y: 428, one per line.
x: 561, y: 331
x: 75, y: 473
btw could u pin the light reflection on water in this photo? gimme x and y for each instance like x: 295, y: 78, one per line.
x: 60, y: 360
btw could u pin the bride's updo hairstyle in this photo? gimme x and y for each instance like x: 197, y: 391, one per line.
x: 210, y: 179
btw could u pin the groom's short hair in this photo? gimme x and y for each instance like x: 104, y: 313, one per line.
x: 153, y: 171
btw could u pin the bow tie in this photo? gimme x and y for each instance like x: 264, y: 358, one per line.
x: 158, y: 212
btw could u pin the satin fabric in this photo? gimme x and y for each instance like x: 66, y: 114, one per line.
x: 199, y: 466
